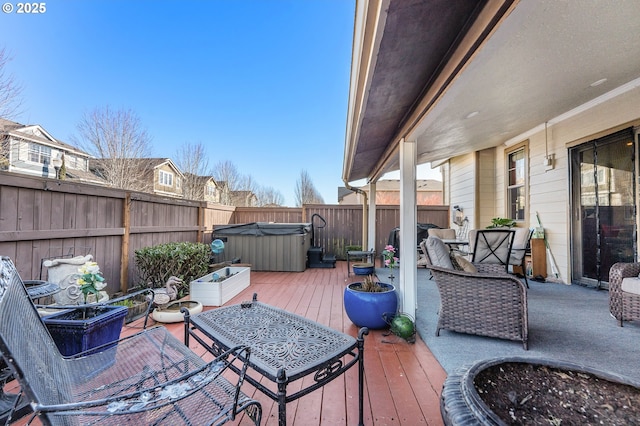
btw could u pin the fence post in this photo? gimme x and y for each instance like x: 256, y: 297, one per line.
x: 200, y: 237
x: 124, y: 257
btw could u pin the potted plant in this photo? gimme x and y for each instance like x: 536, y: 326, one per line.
x: 367, y: 302
x: 87, y: 326
x: 390, y: 259
x: 501, y: 222
x: 519, y: 390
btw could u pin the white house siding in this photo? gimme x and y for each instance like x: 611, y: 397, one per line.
x: 487, y: 194
x: 18, y: 160
x: 549, y: 194
x: 462, y: 178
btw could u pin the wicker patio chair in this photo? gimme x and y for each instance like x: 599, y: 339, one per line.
x: 148, y: 378
x: 486, y: 304
x: 623, y: 305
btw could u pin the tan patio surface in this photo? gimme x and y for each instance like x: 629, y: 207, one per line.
x: 402, y: 381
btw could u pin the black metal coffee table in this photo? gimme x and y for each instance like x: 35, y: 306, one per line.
x: 285, y: 347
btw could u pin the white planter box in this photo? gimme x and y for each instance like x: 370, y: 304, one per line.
x: 210, y: 293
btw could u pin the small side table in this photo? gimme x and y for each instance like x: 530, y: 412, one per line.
x: 370, y: 257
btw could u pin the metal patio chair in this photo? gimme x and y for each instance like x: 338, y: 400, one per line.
x: 148, y: 378
x: 521, y: 244
x: 493, y: 246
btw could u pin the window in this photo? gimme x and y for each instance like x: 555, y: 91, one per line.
x: 178, y: 183
x: 165, y: 178
x: 39, y: 153
x: 516, y: 189
x: 211, y: 190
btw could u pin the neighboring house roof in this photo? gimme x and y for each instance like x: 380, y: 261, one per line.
x: 144, y: 179
x: 200, y: 180
x: 85, y: 176
x: 36, y: 133
x: 144, y: 164
x: 343, y: 192
x: 393, y: 185
x: 243, y: 198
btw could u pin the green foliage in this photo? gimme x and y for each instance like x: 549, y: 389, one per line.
x: 340, y: 248
x: 370, y: 285
x: 501, y: 222
x: 126, y: 302
x: 185, y: 260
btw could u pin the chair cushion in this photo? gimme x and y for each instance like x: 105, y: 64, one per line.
x: 520, y: 240
x: 445, y: 234
x: 438, y: 253
x: 464, y: 264
x: 631, y: 285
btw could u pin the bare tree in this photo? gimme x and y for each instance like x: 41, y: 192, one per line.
x: 120, y: 144
x: 248, y: 184
x: 268, y: 196
x: 229, y: 178
x: 306, y: 192
x: 10, y: 103
x: 10, y: 89
x: 192, y: 160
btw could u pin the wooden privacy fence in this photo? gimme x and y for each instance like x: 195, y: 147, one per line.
x: 344, y: 222
x: 44, y: 218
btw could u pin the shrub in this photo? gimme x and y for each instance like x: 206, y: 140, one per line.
x: 501, y: 222
x: 184, y: 260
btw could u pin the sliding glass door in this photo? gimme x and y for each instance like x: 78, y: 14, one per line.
x: 603, y: 207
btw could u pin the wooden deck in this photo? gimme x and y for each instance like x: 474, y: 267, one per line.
x: 402, y: 381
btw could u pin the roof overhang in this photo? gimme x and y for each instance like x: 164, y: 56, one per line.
x: 461, y: 76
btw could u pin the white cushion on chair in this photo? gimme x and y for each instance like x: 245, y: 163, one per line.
x: 445, y: 234
x: 631, y: 285
x: 520, y: 239
x: 438, y: 253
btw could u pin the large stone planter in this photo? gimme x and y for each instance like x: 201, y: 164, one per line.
x: 366, y: 309
x: 461, y: 404
x: 218, y: 287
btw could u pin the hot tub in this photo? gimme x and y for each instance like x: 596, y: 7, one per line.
x: 267, y: 246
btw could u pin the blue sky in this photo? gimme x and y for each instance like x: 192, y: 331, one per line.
x: 263, y: 83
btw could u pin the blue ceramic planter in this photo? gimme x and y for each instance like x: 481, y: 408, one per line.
x: 73, y: 334
x: 367, y: 309
x: 363, y: 268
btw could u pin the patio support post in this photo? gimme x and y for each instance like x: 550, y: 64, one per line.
x: 371, y: 231
x: 408, y: 228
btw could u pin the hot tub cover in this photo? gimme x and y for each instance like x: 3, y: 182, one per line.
x: 262, y: 228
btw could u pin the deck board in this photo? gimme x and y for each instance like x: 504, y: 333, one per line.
x: 402, y: 381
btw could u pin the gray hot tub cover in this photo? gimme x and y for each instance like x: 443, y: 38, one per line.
x: 262, y: 228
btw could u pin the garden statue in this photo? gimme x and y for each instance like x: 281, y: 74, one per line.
x: 65, y: 273
x: 163, y: 295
